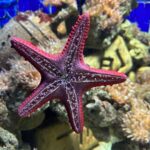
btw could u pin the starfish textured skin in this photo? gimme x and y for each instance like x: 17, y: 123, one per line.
x: 65, y: 75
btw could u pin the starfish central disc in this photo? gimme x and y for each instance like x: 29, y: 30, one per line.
x: 65, y: 75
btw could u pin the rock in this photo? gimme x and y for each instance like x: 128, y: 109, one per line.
x: 31, y: 122
x: 56, y: 136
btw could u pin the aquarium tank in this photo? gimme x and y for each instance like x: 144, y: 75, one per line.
x: 74, y: 75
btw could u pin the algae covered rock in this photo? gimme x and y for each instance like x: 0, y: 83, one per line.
x: 3, y: 112
x: 117, y: 56
x: 56, y: 136
x: 137, y: 49
x: 92, y: 61
x: 31, y: 122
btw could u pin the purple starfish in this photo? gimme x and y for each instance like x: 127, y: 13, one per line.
x: 64, y: 76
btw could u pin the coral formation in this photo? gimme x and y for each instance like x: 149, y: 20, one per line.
x: 123, y: 93
x: 136, y: 121
x: 24, y: 73
x: 95, y: 105
x: 113, y: 57
x: 137, y: 49
x: 57, y: 2
x: 107, y: 12
x: 113, y: 113
x: 7, y: 140
x: 130, y: 31
x: 143, y: 75
x: 3, y: 112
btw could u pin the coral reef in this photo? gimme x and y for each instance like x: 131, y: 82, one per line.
x: 103, y: 109
x: 117, y: 116
x: 137, y: 49
x: 108, y: 13
x: 143, y: 75
x: 113, y: 57
x: 123, y: 93
x: 136, y: 121
x: 130, y: 31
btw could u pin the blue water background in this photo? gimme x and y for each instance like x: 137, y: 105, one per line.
x: 9, y: 8
x: 141, y: 15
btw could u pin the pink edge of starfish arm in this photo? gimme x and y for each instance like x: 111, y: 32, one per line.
x: 37, y: 57
x: 73, y: 105
x: 39, y: 97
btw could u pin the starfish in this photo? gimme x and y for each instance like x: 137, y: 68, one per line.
x: 64, y: 75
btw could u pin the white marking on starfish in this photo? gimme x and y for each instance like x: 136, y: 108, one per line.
x: 75, y: 44
x: 43, y: 62
x: 73, y: 104
x: 39, y: 96
x: 86, y: 77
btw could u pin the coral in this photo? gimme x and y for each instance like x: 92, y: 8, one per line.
x: 123, y: 93
x: 108, y: 12
x: 4, y: 81
x: 113, y: 57
x: 96, y: 104
x: 25, y: 74
x: 3, y: 112
x: 136, y: 123
x: 130, y: 31
x: 7, y: 140
x: 143, y: 75
x: 134, y: 50
x: 137, y: 49
x: 57, y: 2
x: 143, y: 78
x: 103, y: 109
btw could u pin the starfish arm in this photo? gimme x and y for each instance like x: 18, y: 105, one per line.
x: 73, y: 106
x: 73, y: 50
x: 37, y: 57
x: 97, y: 77
x: 39, y: 97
